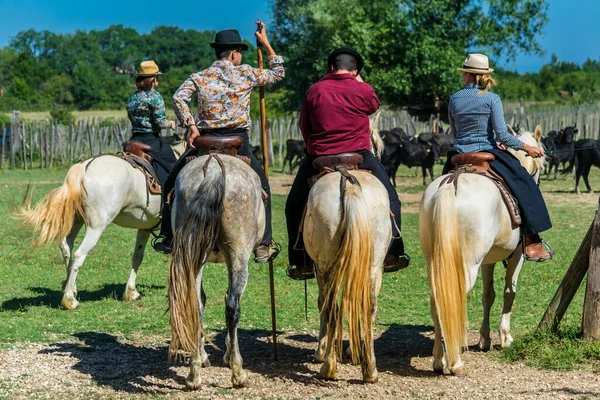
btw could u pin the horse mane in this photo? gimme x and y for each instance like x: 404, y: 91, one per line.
x: 529, y: 138
x: 376, y: 141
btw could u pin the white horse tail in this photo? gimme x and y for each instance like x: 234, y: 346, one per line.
x: 201, y: 213
x: 353, y: 272
x: 53, y: 216
x: 447, y: 272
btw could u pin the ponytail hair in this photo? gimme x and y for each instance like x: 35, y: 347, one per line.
x: 485, y: 82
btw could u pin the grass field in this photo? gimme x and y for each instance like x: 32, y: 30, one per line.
x: 30, y: 278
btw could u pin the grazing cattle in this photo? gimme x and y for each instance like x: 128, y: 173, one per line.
x: 393, y: 136
x: 294, y: 153
x: 587, y: 153
x: 564, y: 145
x: 410, y: 152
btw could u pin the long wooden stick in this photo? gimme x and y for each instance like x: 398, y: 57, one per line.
x: 263, y: 129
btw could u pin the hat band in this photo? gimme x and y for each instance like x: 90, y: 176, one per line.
x: 481, y: 69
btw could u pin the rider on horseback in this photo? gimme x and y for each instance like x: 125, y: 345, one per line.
x: 223, y: 92
x: 335, y: 119
x: 475, y: 114
x: 146, y: 111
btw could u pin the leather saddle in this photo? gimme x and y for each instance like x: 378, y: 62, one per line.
x: 337, y: 162
x: 479, y: 163
x: 220, y: 145
x: 135, y: 153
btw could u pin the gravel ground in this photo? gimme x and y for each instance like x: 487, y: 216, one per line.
x: 101, y: 366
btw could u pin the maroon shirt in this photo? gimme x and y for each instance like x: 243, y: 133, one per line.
x: 335, y: 115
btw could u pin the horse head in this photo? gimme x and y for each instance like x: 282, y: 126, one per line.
x: 533, y: 165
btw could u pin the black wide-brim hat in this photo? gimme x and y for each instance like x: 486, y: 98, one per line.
x: 345, y: 50
x: 229, y: 39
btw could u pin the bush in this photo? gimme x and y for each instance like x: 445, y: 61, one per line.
x: 62, y: 115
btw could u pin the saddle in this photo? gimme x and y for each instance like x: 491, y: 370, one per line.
x: 338, y: 162
x: 220, y: 145
x: 479, y: 163
x: 135, y: 153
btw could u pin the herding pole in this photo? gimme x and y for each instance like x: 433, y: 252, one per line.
x: 263, y: 130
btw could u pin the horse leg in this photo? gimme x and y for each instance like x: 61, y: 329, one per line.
x: 322, y: 342
x: 513, y: 268
x: 200, y: 358
x: 69, y: 301
x: 424, y: 171
x: 488, y: 297
x: 369, y: 365
x: 238, y: 277
x: 586, y: 173
x: 138, y: 256
x: 66, y: 247
x: 438, y: 351
x: 329, y: 367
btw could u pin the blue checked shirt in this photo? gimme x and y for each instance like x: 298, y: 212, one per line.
x: 474, y: 118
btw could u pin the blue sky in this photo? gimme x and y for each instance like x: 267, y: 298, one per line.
x: 573, y: 30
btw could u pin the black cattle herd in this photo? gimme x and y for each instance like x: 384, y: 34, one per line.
x: 425, y: 149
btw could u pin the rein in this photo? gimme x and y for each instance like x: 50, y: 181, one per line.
x: 568, y: 151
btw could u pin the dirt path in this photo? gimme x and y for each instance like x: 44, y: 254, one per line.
x: 100, y: 366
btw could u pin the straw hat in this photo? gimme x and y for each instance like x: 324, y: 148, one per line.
x: 149, y: 68
x: 476, y: 64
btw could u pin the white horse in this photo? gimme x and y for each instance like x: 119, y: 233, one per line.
x: 96, y: 192
x: 347, y: 231
x: 460, y: 231
x: 218, y: 205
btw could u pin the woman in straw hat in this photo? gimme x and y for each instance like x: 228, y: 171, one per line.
x: 475, y: 114
x: 146, y: 111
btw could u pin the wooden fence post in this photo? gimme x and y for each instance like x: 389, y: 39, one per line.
x: 568, y: 287
x: 591, y: 305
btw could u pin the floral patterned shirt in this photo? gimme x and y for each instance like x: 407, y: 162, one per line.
x: 146, y: 111
x: 223, y: 92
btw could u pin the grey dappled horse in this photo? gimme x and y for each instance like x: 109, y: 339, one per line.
x: 218, y: 215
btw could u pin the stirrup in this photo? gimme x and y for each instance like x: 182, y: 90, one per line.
x: 402, y: 262
x: 294, y: 272
x: 544, y: 245
x: 274, y: 247
x: 159, y: 245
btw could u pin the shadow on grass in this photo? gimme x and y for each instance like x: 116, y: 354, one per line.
x: 51, y: 298
x: 136, y: 369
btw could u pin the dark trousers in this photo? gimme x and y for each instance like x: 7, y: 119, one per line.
x: 534, y: 214
x: 163, y: 159
x: 298, y: 196
x: 166, y: 229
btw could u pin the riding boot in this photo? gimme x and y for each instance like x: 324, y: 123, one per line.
x: 534, y: 249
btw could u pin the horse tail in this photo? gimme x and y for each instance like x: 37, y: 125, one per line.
x: 352, y: 273
x: 53, y: 216
x: 196, y: 235
x: 447, y: 272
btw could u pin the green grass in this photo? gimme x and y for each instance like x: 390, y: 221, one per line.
x: 30, y: 278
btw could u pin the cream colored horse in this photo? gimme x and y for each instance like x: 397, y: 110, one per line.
x: 460, y: 231
x: 96, y: 192
x: 347, y: 234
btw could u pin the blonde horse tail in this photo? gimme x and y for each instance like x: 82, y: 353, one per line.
x: 53, y: 216
x: 447, y: 272
x: 199, y: 218
x: 352, y: 274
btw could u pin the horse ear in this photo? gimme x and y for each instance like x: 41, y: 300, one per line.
x: 537, y: 132
x: 511, y: 130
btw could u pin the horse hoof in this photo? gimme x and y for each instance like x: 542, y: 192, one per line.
x: 372, y: 377
x: 327, y: 371
x: 131, y: 295
x: 485, y: 344
x: 506, y: 342
x: 193, y: 384
x: 459, y: 372
x: 438, y: 370
x: 205, y: 363
x: 69, y: 304
x: 240, y: 380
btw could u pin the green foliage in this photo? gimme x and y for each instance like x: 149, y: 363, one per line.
x: 561, y: 351
x: 62, y: 115
x: 561, y: 81
x: 410, y: 48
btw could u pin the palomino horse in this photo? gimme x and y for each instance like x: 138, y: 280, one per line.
x: 347, y: 231
x: 96, y: 193
x: 462, y: 228
x: 218, y: 215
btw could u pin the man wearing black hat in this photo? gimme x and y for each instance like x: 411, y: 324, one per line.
x: 335, y: 119
x: 223, y: 92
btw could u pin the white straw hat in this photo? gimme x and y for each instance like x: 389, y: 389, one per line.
x: 476, y: 64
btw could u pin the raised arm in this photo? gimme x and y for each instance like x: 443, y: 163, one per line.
x: 499, y: 126
x: 276, y: 72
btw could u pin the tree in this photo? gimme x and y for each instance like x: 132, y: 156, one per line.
x: 410, y: 46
